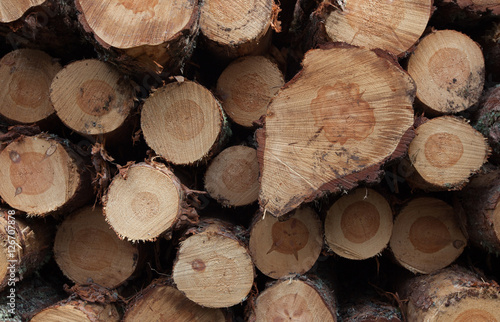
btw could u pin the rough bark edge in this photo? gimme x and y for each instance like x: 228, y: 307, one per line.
x: 186, y: 213
x: 28, y: 260
x: 370, y: 309
x: 83, y: 192
x: 468, y: 283
x: 368, y: 176
x: 470, y: 217
x: 182, y: 45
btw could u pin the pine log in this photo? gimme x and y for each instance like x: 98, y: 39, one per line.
x: 236, y: 28
x: 183, y: 122
x: 25, y: 78
x: 281, y: 248
x: 11, y: 10
x: 479, y: 210
x: 42, y: 174
x: 296, y: 299
x: 426, y: 236
x: 394, y: 26
x: 346, y: 113
x: 232, y: 178
x: 445, y: 152
x: 78, y: 310
x: 452, y: 294
x: 142, y: 37
x: 25, y: 247
x: 91, y: 97
x: 448, y: 68
x: 247, y: 86
x: 88, y: 251
x: 146, y: 201
x: 161, y: 301
x: 487, y: 121
x: 366, y: 309
x: 359, y: 224
x: 213, y: 267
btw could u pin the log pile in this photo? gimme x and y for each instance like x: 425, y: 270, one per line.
x: 249, y: 161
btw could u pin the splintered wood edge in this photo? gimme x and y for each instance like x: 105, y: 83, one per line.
x: 76, y: 310
x: 11, y: 10
x: 39, y: 175
x: 290, y: 298
x: 27, y: 74
x: 183, y: 122
x: 85, y: 247
x: 213, y: 268
x: 161, y: 299
x: 359, y: 224
x: 90, y: 97
x: 371, y: 174
x: 232, y: 178
x: 449, y: 70
x: 452, y: 294
x: 247, y: 86
x: 281, y: 248
x: 394, y: 26
x: 237, y: 22
x: 446, y: 151
x: 139, y: 21
x: 426, y: 236
x: 144, y: 204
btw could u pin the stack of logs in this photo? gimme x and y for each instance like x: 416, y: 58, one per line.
x: 249, y: 160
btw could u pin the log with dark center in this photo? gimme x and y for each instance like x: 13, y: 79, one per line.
x: 426, y: 236
x: 281, y: 248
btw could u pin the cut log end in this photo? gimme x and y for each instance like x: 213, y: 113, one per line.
x: 161, y: 301
x: 11, y: 10
x: 183, y: 122
x: 281, y: 248
x: 233, y: 176
x: 145, y: 203
x: 452, y: 294
x: 448, y: 68
x: 213, y: 268
x: 446, y: 151
x: 236, y: 28
x: 345, y: 126
x: 27, y: 75
x: 426, y: 236
x: 91, y: 97
x: 137, y: 19
x: 294, y: 299
x: 41, y: 175
x: 390, y: 25
x: 359, y: 225
x: 247, y: 86
x: 87, y: 250
x: 76, y: 310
